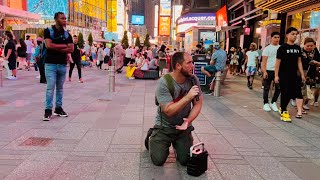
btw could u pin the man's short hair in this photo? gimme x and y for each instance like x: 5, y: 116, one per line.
x: 178, y: 57
x: 289, y: 30
x: 56, y: 15
x: 9, y: 34
x: 275, y: 33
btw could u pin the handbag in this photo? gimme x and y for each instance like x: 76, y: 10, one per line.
x: 145, y: 67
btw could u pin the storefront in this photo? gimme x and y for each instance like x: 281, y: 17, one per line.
x: 303, y: 15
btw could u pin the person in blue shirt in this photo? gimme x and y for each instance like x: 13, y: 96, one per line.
x: 217, y: 63
x: 39, y: 60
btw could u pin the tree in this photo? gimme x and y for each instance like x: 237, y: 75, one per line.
x: 80, y: 40
x: 41, y: 33
x: 147, y: 41
x: 90, y: 39
x: 137, y: 43
x: 125, y: 40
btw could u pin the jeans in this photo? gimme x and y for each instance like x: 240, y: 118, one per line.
x: 55, y: 75
x: 266, y: 83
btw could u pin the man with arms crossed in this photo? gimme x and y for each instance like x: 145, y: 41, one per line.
x: 176, y: 112
x: 269, y: 57
x: 287, y: 64
x: 56, y: 64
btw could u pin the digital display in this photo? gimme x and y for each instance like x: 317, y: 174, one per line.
x: 197, y: 72
x: 137, y: 20
x: 47, y: 8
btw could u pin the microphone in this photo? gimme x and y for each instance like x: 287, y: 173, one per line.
x: 193, y: 81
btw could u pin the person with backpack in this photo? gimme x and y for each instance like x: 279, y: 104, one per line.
x: 39, y: 60
x: 75, y: 58
x: 179, y: 99
x: 58, y: 43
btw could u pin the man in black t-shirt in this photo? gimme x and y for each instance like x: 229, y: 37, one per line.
x: 287, y: 64
x: 10, y: 55
x: 58, y: 47
x: 76, y: 58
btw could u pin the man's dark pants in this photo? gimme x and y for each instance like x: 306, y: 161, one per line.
x: 267, y: 83
x: 162, y: 138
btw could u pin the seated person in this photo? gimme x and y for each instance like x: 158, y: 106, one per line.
x: 84, y: 61
x: 217, y: 63
x: 131, y: 67
x: 178, y: 108
x: 154, y: 64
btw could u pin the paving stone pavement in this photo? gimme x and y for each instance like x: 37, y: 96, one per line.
x: 103, y: 136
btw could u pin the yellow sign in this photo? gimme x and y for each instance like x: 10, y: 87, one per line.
x: 92, y: 8
x: 266, y: 23
x: 112, y: 15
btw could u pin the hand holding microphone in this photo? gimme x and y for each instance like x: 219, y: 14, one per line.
x: 195, y: 88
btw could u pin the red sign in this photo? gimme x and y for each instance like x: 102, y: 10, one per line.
x: 164, y: 26
x: 222, y: 17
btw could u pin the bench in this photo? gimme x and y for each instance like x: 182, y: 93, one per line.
x: 149, y: 74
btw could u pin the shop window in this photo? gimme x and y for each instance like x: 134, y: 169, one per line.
x: 295, y: 20
x: 306, y: 20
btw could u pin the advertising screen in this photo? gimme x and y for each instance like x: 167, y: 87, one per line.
x: 192, y: 19
x: 47, y: 8
x: 208, y: 38
x: 222, y: 17
x: 17, y: 4
x: 164, y: 26
x: 315, y: 20
x: 112, y: 15
x: 137, y: 20
x: 165, y: 8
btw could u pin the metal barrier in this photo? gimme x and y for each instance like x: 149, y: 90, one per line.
x: 112, y: 79
x: 217, y: 86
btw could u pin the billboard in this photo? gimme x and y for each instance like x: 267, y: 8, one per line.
x: 315, y: 19
x: 195, y: 19
x: 47, y: 8
x: 137, y: 20
x: 112, y: 15
x: 222, y: 17
x: 164, y: 26
x: 17, y: 4
x: 92, y: 8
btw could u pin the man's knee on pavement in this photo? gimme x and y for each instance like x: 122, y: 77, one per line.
x: 157, y: 159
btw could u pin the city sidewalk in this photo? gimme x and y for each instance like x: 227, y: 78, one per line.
x: 103, y: 137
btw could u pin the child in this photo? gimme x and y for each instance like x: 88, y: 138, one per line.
x: 251, y: 61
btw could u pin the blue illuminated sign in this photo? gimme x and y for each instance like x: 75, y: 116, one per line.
x: 137, y: 20
x: 47, y: 8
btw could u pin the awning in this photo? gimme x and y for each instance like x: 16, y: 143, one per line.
x: 19, y: 13
x: 226, y: 28
x: 285, y: 5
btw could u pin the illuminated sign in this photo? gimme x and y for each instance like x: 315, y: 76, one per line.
x: 47, y: 8
x: 137, y: 20
x: 222, y: 17
x: 165, y: 9
x: 195, y: 19
x: 17, y: 4
x: 164, y: 26
x: 112, y: 15
x: 266, y: 23
x: 315, y: 20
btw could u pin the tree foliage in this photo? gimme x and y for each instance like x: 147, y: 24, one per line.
x: 90, y: 39
x: 125, y: 41
x: 147, y: 41
x: 137, y: 43
x: 80, y: 40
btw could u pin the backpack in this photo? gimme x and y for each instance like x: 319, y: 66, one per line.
x: 169, y: 81
x: 44, y: 48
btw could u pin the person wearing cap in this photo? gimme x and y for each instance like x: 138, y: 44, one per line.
x: 10, y: 55
x: 217, y: 63
x: 39, y: 60
x: 30, y: 44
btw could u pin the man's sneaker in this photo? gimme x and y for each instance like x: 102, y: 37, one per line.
x: 274, y: 107
x: 293, y: 103
x: 305, y: 107
x: 266, y: 107
x: 12, y: 78
x: 316, y: 104
x: 60, y: 112
x: 47, y: 115
x: 285, y: 116
x: 209, y: 92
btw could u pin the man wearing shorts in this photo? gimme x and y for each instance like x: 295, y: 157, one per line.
x: 251, y: 61
x: 217, y: 63
x: 30, y: 45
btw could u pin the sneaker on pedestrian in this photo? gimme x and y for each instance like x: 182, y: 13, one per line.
x: 274, y: 107
x: 293, y: 103
x: 80, y: 80
x: 266, y: 107
x: 12, y: 78
x: 131, y: 77
x: 60, y: 112
x: 285, y: 116
x: 47, y: 115
x: 305, y: 107
x: 316, y: 104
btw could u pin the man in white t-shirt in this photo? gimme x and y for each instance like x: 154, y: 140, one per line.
x: 251, y: 60
x: 269, y: 57
x: 30, y: 44
x: 129, y: 53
